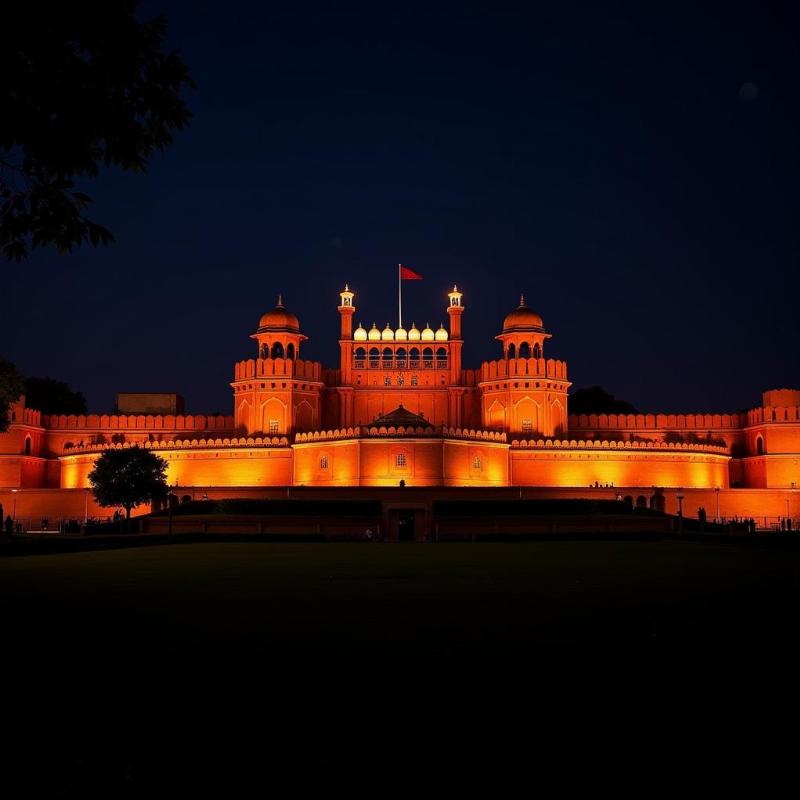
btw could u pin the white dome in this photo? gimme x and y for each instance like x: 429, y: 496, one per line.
x: 360, y: 335
x: 374, y: 334
x: 388, y: 334
x: 413, y: 334
x: 400, y: 335
x: 427, y: 334
x: 441, y: 334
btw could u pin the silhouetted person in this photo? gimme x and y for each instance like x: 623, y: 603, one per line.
x: 701, y: 515
x: 9, y: 525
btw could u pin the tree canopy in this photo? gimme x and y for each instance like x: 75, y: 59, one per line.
x: 83, y: 86
x: 53, y: 397
x: 128, y: 478
x: 12, y: 385
x: 597, y: 400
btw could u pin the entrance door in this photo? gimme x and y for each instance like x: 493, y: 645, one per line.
x: 405, y: 525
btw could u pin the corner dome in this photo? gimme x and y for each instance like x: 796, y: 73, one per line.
x: 279, y: 319
x: 360, y: 334
x: 522, y: 318
x: 441, y: 334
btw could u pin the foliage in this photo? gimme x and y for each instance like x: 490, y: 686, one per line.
x: 596, y: 400
x: 53, y: 397
x: 82, y: 86
x: 12, y: 385
x: 128, y: 478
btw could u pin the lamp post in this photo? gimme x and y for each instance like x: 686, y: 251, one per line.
x: 680, y: 510
x: 14, y: 512
x: 716, y: 519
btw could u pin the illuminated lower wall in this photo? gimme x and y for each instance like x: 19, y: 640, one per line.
x: 772, y: 471
x: 581, y: 468
x: 212, y: 467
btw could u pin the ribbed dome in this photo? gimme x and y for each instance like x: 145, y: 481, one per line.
x: 522, y: 318
x: 441, y: 334
x: 360, y: 334
x: 400, y: 335
x: 374, y: 334
x: 413, y: 334
x: 387, y: 334
x: 279, y: 319
x: 427, y: 333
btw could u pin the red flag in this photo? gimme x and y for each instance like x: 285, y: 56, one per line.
x: 407, y: 274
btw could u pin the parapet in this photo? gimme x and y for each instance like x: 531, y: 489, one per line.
x: 613, y: 444
x: 524, y: 367
x: 654, y: 421
x: 189, y: 422
x: 183, y: 444
x: 281, y: 367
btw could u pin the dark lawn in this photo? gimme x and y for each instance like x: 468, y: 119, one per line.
x: 224, y: 664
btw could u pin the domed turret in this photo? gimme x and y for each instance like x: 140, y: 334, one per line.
x: 441, y: 334
x: 387, y: 334
x: 374, y: 334
x: 279, y: 319
x: 413, y: 334
x: 427, y: 333
x: 522, y: 318
x: 360, y: 334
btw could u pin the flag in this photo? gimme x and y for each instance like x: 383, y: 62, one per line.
x: 407, y: 274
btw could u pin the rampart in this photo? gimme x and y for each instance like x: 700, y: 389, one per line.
x: 280, y: 367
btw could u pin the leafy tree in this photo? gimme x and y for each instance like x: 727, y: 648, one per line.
x: 128, y: 478
x: 82, y: 86
x: 596, y: 400
x: 53, y: 397
x: 12, y: 385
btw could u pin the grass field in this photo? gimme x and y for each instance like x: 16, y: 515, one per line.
x: 210, y: 662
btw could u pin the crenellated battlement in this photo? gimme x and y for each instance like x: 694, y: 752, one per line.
x: 613, y: 444
x: 549, y: 368
x: 654, y: 421
x: 758, y: 416
x: 140, y: 422
x: 182, y: 444
x: 364, y: 431
x: 283, y: 367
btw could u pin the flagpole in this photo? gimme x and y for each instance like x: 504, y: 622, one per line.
x: 399, y: 296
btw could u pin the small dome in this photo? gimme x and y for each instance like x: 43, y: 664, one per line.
x: 279, y: 319
x: 387, y: 334
x: 522, y: 318
x: 427, y: 333
x: 360, y: 334
x: 374, y: 334
x: 441, y: 334
x: 400, y: 334
x: 413, y: 334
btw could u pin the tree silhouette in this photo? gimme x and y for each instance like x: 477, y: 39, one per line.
x: 12, y: 385
x: 596, y: 400
x: 128, y: 478
x: 82, y: 86
x: 53, y: 397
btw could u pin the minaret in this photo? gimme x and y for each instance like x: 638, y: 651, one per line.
x: 346, y: 311
x: 454, y: 310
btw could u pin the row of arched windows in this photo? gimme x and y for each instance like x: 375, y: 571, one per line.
x: 525, y: 350
x: 400, y: 358
x: 277, y: 351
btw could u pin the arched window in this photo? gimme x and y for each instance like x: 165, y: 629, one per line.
x: 537, y: 350
x: 413, y: 357
x: 27, y: 445
x: 427, y: 357
x: 441, y: 357
x: 512, y: 350
x: 277, y: 350
x: 401, y: 357
x: 387, y: 357
x: 374, y: 357
x: 264, y: 351
x: 759, y: 446
x: 525, y: 350
x: 290, y: 351
x: 361, y: 357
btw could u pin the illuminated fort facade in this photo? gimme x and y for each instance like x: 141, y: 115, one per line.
x: 401, y: 407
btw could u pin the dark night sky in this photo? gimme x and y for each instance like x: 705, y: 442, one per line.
x: 634, y: 173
